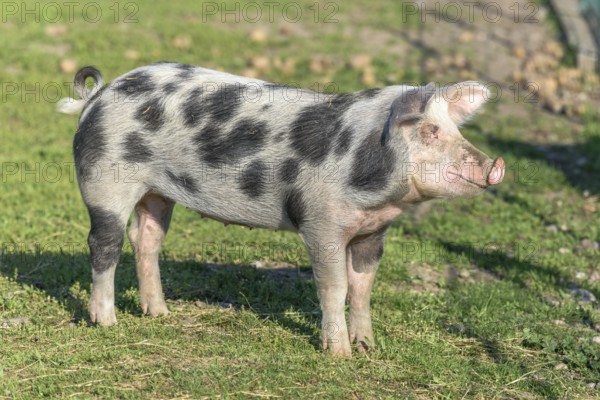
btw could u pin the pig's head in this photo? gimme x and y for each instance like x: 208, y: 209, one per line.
x: 437, y: 160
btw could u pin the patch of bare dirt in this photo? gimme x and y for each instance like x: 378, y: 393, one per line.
x: 427, y: 278
x: 281, y: 271
x: 508, y: 43
x: 278, y: 271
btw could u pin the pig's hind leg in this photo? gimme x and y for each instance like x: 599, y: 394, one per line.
x: 146, y: 233
x: 108, y: 217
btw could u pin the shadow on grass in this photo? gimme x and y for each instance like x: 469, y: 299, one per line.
x: 520, y: 270
x: 273, y: 293
x: 517, y: 268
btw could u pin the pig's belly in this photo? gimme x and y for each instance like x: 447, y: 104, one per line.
x: 226, y: 206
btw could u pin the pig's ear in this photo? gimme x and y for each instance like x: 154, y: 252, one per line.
x: 462, y: 100
x: 407, y: 108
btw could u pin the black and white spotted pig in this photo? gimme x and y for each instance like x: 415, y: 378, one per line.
x: 238, y: 150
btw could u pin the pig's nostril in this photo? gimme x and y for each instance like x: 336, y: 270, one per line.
x: 497, y: 173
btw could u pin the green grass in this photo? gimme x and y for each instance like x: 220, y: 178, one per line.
x: 238, y: 331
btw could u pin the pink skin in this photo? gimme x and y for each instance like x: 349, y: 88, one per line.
x: 496, y: 175
x: 443, y: 163
x: 472, y: 174
x: 359, y: 299
x: 449, y: 166
x: 146, y: 233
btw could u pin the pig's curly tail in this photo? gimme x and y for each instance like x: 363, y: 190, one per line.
x: 71, y: 106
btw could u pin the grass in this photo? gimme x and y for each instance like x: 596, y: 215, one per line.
x: 245, y: 317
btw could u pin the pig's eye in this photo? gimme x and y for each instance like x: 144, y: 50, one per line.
x: 429, y: 132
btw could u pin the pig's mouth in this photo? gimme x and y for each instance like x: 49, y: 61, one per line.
x: 470, y: 181
x: 493, y: 177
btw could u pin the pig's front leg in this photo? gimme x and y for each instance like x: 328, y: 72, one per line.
x: 363, y: 257
x: 329, y: 267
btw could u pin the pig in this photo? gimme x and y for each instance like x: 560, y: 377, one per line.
x: 244, y: 151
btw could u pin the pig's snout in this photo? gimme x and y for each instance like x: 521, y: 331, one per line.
x: 496, y: 174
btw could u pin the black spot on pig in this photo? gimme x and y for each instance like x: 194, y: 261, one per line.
x: 89, y: 144
x: 253, y: 179
x: 223, y: 104
x: 185, y: 67
x: 193, y: 107
x: 344, y: 141
x: 289, y: 170
x: 185, y: 71
x: 208, y: 143
x: 369, y: 93
x: 184, y: 181
x: 136, y: 149
x: 245, y: 139
x: 316, y: 127
x: 170, y: 88
x: 367, y: 251
x: 295, y: 207
x: 134, y: 85
x: 406, y: 108
x: 373, y: 164
x: 151, y: 113
x: 105, y: 238
x: 266, y: 107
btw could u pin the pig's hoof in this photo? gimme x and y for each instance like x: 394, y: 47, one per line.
x: 338, y: 348
x: 364, y: 344
x: 155, y: 307
x: 340, y: 352
x: 361, y: 335
x: 103, y: 315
